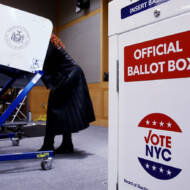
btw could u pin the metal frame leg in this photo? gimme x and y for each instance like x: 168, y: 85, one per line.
x: 7, y: 85
x: 20, y: 97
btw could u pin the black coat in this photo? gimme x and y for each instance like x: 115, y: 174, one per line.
x: 69, y: 106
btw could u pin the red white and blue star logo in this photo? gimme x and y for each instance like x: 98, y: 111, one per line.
x: 159, y: 147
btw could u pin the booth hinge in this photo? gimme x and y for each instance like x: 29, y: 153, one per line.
x: 117, y: 76
x: 117, y: 186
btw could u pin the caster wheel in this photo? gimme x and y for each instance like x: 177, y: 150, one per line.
x: 46, y: 164
x: 15, y: 141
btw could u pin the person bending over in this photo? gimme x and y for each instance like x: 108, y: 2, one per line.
x: 69, y: 105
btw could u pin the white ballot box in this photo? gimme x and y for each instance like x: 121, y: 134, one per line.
x: 24, y: 39
x: 149, y: 94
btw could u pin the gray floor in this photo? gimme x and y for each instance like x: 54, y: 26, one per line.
x: 86, y: 169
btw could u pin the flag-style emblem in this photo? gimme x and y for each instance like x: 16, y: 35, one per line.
x: 158, y: 147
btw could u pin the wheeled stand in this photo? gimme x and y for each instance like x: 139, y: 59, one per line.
x: 45, y: 156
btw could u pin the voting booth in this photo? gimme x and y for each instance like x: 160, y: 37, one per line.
x: 149, y: 94
x: 24, y: 39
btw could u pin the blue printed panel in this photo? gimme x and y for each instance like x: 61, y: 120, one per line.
x: 139, y: 6
x: 159, y: 171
